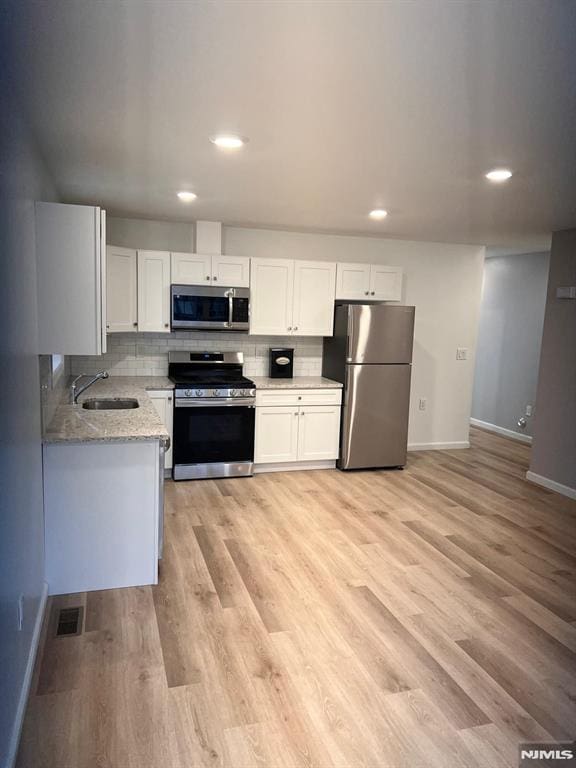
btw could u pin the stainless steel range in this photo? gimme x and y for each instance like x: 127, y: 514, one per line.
x: 213, y: 415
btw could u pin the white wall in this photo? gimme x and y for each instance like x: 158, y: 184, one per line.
x: 442, y: 281
x: 509, y: 337
x: 23, y: 181
x: 553, y: 459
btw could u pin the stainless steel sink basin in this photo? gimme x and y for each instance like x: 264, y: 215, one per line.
x: 110, y: 404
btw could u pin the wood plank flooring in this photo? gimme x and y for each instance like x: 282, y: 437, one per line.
x: 424, y: 618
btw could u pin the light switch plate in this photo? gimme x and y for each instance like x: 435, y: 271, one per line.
x: 461, y: 353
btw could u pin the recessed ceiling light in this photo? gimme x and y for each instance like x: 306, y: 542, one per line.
x: 499, y: 174
x: 228, y: 141
x: 186, y: 196
x: 378, y: 214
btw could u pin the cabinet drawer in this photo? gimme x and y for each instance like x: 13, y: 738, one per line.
x: 298, y: 397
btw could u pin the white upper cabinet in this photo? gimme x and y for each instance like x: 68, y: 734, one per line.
x: 271, y: 296
x: 231, y: 271
x: 71, y: 269
x: 385, y: 283
x: 368, y: 281
x: 122, y: 300
x: 292, y: 297
x: 191, y: 269
x: 154, y: 291
x: 197, y: 269
x: 314, y: 292
x: 352, y: 281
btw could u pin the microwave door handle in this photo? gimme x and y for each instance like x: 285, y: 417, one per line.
x: 230, y: 308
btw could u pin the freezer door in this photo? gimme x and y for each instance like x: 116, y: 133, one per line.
x: 380, y: 334
x: 375, y: 416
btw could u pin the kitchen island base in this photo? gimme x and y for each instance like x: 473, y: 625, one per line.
x: 103, y: 510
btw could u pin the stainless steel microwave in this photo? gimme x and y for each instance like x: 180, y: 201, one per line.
x: 202, y: 307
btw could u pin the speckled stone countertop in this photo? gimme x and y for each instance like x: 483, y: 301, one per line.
x: 74, y: 424
x: 298, y: 382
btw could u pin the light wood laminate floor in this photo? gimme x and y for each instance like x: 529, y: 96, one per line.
x: 424, y: 618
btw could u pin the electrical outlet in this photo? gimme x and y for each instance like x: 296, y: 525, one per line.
x: 422, y: 404
x: 461, y: 353
x: 528, y: 411
x: 20, y: 615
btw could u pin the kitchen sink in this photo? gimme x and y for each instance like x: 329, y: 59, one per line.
x: 110, y: 404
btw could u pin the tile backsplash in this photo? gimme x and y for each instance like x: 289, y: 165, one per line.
x: 146, y: 354
x: 53, y: 386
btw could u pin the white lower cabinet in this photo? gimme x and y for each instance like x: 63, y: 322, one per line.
x: 297, y: 426
x: 276, y: 434
x: 318, y: 432
x: 101, y: 515
x: 163, y: 400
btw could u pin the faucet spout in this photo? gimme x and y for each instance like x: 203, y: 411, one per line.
x: 76, y: 391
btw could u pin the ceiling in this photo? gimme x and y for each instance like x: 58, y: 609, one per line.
x: 348, y: 106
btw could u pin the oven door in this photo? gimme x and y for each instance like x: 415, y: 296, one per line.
x: 210, y: 308
x: 213, y: 439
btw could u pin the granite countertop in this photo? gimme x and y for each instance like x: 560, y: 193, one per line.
x: 298, y: 382
x: 74, y: 424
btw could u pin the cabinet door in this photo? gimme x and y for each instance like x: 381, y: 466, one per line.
x: 70, y: 262
x: 276, y: 437
x: 154, y: 291
x: 352, y: 281
x: 385, y: 283
x: 314, y: 293
x: 318, y: 432
x: 271, y: 294
x: 231, y: 271
x: 163, y: 402
x: 121, y: 303
x: 191, y: 269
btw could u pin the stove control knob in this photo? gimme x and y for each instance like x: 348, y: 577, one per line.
x: 235, y: 393
x: 216, y: 393
x: 199, y: 393
x: 187, y: 393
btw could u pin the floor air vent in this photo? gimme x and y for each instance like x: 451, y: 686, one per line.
x: 69, y: 622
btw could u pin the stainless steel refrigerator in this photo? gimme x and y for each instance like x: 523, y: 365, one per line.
x: 371, y: 354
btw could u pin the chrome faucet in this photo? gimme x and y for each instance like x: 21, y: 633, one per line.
x: 76, y: 391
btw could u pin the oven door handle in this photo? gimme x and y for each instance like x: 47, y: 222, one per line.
x: 182, y: 402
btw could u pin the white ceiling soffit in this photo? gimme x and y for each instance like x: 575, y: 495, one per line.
x: 348, y: 106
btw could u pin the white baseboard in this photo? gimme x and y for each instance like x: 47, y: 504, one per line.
x: 291, y: 466
x: 501, y: 431
x: 26, y: 683
x: 438, y: 446
x: 552, y: 485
